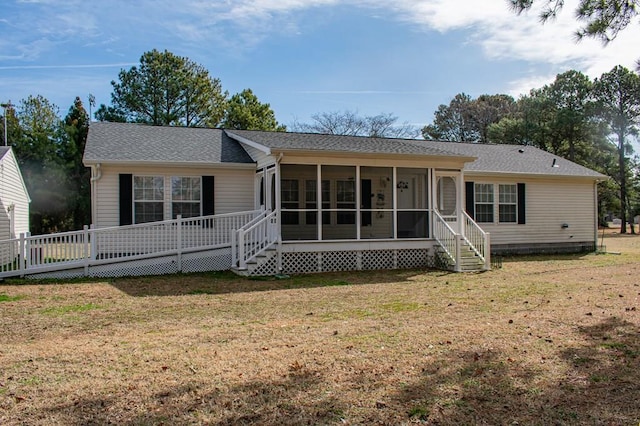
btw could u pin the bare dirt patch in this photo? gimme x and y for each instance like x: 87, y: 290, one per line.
x: 544, y: 340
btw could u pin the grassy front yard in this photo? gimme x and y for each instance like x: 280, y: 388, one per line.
x: 540, y: 341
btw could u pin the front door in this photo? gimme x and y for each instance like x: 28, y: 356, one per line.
x: 446, y: 197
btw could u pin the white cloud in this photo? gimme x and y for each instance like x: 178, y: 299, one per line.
x: 502, y: 34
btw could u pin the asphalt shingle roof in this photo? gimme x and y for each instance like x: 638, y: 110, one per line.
x: 4, y: 150
x: 516, y: 159
x: 126, y: 142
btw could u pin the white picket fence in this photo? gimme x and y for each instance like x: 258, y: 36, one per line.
x: 34, y: 254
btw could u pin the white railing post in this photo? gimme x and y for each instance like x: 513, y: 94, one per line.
x: 85, y: 236
x: 234, y: 248
x: 94, y: 243
x: 27, y: 251
x: 457, y: 266
x: 242, y: 263
x: 487, y: 252
x: 179, y: 241
x: 22, y: 257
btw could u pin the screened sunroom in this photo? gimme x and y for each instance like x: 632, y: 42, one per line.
x: 337, y: 202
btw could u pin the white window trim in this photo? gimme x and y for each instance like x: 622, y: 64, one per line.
x: 134, y: 200
x: 170, y: 189
x: 515, y: 217
x: 496, y: 202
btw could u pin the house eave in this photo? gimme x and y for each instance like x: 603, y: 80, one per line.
x: 377, y: 155
x: 89, y: 163
x: 479, y: 173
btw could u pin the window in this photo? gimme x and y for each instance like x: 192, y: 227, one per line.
x: 326, y: 202
x: 484, y: 202
x: 148, y: 198
x: 508, y: 203
x: 185, y: 196
x: 346, y: 200
x: 311, y: 199
x: 289, y: 192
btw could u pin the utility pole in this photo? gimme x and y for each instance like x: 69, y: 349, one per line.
x: 6, y: 106
x: 92, y: 103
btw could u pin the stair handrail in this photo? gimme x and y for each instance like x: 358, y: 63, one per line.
x: 446, y: 237
x: 477, y: 239
x: 254, y: 239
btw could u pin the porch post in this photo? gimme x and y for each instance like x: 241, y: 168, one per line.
x: 394, y: 191
x: 278, y: 219
x: 319, y: 201
x: 431, y: 182
x: 459, y: 200
x: 358, y: 201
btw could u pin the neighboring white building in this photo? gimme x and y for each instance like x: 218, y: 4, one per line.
x: 347, y: 202
x: 14, y: 198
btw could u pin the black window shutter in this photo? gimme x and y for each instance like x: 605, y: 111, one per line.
x: 126, y: 199
x: 208, y: 205
x: 469, y: 188
x: 521, y: 205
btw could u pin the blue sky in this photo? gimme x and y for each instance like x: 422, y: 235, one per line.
x: 403, y: 57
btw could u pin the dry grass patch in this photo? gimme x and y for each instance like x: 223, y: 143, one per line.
x: 551, y: 340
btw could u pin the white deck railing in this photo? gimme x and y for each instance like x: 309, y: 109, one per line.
x: 253, y: 239
x: 41, y: 253
x: 477, y: 239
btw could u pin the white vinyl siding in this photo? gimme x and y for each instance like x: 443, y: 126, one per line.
x: 233, y: 189
x: 12, y: 193
x: 549, y: 204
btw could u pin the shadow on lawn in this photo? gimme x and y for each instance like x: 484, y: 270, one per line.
x: 227, y: 282
x: 296, y: 398
x: 600, y: 386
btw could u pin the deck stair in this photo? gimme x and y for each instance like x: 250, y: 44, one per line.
x: 466, y: 251
x: 469, y: 261
x: 262, y: 264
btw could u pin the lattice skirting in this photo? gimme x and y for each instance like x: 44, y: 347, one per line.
x: 212, y: 260
x: 267, y: 265
x: 292, y: 263
x: 351, y: 260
